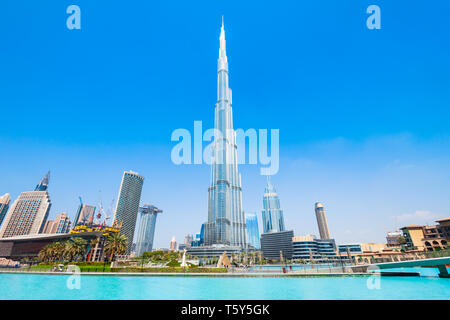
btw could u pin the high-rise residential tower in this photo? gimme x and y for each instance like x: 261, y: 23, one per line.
x: 272, y: 215
x: 251, y: 222
x: 4, y: 205
x: 61, y: 224
x: 29, y: 212
x: 226, y: 221
x: 127, y: 205
x: 146, y: 230
x: 322, y: 221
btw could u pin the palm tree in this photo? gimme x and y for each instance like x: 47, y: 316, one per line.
x: 116, y: 244
x: 74, y: 248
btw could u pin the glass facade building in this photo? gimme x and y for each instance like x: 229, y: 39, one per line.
x: 310, y: 248
x: 146, y: 230
x: 226, y: 221
x: 272, y: 215
x: 127, y: 205
x: 277, y: 245
x: 251, y: 222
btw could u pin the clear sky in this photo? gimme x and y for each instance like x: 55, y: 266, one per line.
x: 363, y: 114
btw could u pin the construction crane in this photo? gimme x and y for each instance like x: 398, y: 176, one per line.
x: 108, y: 213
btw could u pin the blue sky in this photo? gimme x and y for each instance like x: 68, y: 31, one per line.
x: 363, y: 114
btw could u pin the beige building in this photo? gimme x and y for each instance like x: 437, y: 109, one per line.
x: 61, y: 224
x: 373, y: 247
x: 322, y: 221
x: 4, y: 206
x: 29, y: 213
x: 427, y: 238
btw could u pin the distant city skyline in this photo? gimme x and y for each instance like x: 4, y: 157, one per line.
x: 363, y: 115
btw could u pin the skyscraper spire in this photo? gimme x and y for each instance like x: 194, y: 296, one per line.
x: 226, y: 221
x: 222, y: 63
x: 43, y: 184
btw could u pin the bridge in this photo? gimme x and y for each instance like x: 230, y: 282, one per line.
x: 440, y: 263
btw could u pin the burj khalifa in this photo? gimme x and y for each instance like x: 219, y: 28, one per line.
x: 226, y: 220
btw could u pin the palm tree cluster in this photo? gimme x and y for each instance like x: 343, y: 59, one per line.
x: 116, y: 244
x: 73, y: 249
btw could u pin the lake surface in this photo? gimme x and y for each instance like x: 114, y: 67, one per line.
x: 34, y: 286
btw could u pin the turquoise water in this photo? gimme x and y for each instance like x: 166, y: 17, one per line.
x: 33, y: 286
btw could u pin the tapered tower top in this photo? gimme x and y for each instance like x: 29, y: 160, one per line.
x: 43, y: 184
x: 222, y: 63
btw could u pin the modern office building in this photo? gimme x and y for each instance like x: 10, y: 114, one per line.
x: 84, y: 214
x: 29, y: 212
x: 310, y: 248
x: 226, y: 221
x: 4, y: 206
x: 322, y: 221
x: 173, y: 246
x: 272, y: 215
x: 61, y: 224
x: 351, y: 248
x: 277, y: 245
x: 146, y: 230
x: 127, y: 205
x: 251, y: 222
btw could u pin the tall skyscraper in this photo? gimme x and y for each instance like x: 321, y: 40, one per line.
x: 4, y: 205
x: 251, y: 222
x: 322, y: 221
x: 84, y: 213
x: 272, y: 215
x: 29, y: 212
x: 226, y: 221
x: 61, y: 224
x: 127, y: 205
x: 146, y: 230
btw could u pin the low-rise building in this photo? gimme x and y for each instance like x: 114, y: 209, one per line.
x: 277, y: 245
x: 310, y: 248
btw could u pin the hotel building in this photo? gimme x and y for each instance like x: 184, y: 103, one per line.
x: 272, y: 215
x: 28, y: 213
x: 146, y: 229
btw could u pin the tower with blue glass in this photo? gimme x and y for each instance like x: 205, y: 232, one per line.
x: 226, y: 221
x: 251, y: 222
x: 272, y: 215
